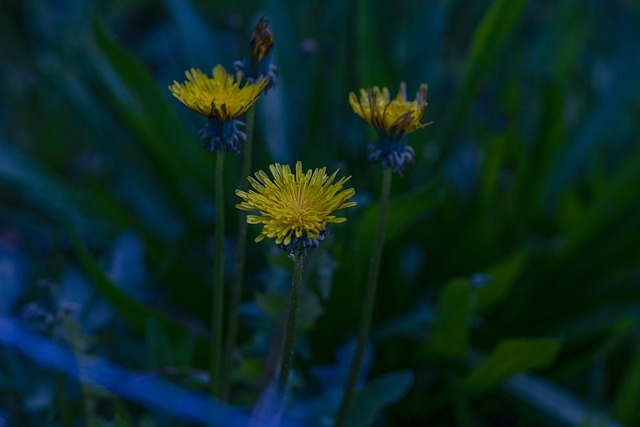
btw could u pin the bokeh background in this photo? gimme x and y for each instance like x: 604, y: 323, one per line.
x: 510, y: 287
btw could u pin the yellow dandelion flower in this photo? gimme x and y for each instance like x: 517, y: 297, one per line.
x: 220, y: 97
x: 393, y: 119
x: 396, y: 116
x: 295, y: 208
x: 222, y: 100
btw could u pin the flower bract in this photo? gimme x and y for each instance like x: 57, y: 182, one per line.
x: 295, y: 208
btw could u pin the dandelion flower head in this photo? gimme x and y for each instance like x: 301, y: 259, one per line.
x: 393, y: 119
x: 396, y: 116
x: 295, y: 208
x: 220, y: 96
x: 222, y: 100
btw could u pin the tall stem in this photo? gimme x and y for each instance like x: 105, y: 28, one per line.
x: 218, y: 282
x: 369, y: 298
x: 292, y: 321
x: 241, y: 245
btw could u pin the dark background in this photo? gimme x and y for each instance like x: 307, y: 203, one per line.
x: 512, y: 244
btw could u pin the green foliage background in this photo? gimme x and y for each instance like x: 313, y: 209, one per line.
x: 512, y: 244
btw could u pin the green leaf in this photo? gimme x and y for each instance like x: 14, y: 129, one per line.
x: 450, y: 334
x: 136, y: 314
x: 487, y: 46
x: 274, y: 304
x: 38, y: 186
x: 494, y: 158
x: 366, y: 34
x: 537, y: 161
x: 310, y: 311
x: 271, y: 304
x: 122, y: 415
x: 502, y: 277
x: 168, y: 354
x: 608, y: 319
x: 159, y: 346
x: 494, y: 32
x: 411, y: 324
x: 403, y: 211
x: 628, y: 396
x: 618, y: 197
x: 140, y: 103
x: 556, y: 405
x: 377, y: 395
x: 509, y: 358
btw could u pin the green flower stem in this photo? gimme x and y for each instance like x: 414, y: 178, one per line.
x: 369, y: 299
x: 292, y: 321
x: 241, y: 245
x: 218, y: 283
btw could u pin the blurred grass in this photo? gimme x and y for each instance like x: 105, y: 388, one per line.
x: 518, y: 223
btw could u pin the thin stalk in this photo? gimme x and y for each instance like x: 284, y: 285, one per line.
x: 86, y: 401
x: 241, y: 245
x: 369, y: 298
x: 63, y: 403
x: 218, y: 282
x: 292, y: 321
